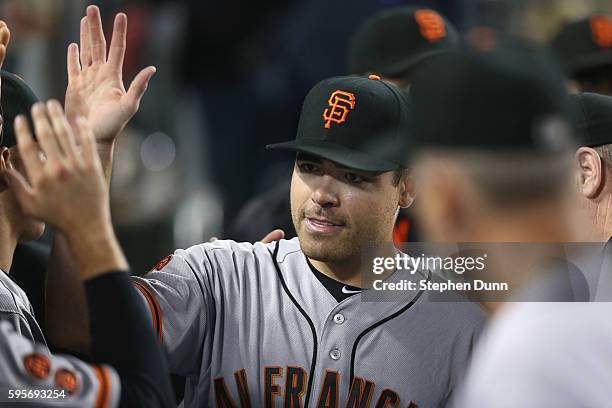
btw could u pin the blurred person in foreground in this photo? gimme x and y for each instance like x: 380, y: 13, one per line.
x: 68, y: 190
x: 389, y: 44
x: 594, y: 164
x: 593, y: 180
x: 494, y: 161
x: 58, y: 179
x: 584, y: 48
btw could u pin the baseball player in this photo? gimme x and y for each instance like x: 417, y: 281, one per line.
x: 68, y: 190
x: 374, y: 49
x: 286, y: 323
x: 96, y: 92
x: 506, y: 178
x: 584, y: 47
x: 127, y: 368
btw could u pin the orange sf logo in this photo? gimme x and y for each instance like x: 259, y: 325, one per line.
x: 340, y: 104
x: 431, y: 25
x: 601, y: 27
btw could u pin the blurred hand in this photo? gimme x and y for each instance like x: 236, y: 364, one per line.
x: 272, y: 236
x: 5, y: 37
x: 65, y: 184
x: 275, y: 235
x: 95, y: 83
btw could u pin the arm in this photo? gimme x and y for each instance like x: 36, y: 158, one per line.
x: 67, y: 189
x: 96, y: 92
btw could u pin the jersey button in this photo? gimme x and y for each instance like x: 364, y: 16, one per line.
x: 339, y: 318
x: 335, y: 354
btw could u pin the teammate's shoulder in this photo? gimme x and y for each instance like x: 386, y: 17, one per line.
x: 232, y: 248
x: 10, y: 295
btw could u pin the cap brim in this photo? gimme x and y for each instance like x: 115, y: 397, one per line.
x: 338, y: 154
x: 406, y: 67
x: 590, y: 61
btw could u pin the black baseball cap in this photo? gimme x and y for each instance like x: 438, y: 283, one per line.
x: 17, y: 99
x: 508, y: 97
x: 593, y: 117
x: 584, y: 44
x: 393, y: 41
x: 347, y: 119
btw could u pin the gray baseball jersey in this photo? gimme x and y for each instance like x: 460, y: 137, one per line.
x: 54, y: 380
x: 16, y: 309
x: 552, y: 354
x: 250, y: 325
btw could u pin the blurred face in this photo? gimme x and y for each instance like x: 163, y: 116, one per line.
x: 29, y: 228
x: 335, y: 209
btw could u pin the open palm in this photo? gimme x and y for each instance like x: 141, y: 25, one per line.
x: 95, y: 83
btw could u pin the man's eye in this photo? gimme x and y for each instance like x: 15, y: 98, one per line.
x: 308, y: 167
x: 354, y: 178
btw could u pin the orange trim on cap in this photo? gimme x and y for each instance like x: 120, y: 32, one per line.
x: 374, y: 77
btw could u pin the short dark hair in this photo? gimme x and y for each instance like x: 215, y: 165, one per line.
x: 605, y: 152
x: 398, y: 174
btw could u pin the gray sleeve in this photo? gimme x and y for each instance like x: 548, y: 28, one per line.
x: 536, y: 359
x: 25, y: 365
x: 18, y: 323
x: 176, y: 292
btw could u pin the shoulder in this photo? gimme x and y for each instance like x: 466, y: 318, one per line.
x: 226, y: 257
x: 544, y: 325
x: 12, y: 297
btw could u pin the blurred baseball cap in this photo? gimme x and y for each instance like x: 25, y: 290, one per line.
x: 392, y: 42
x: 17, y: 99
x: 347, y: 119
x: 584, y: 44
x: 593, y: 117
x: 507, y: 96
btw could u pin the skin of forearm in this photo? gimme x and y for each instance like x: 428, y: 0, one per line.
x: 67, y: 319
x: 95, y: 249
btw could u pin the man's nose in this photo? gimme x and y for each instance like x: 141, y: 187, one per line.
x: 325, y: 195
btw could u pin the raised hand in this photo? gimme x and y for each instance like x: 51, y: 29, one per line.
x: 5, y: 37
x: 65, y: 183
x: 95, y: 80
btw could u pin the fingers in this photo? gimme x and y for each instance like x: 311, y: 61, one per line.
x: 27, y: 148
x: 5, y: 37
x: 20, y: 187
x: 44, y: 132
x: 118, y: 43
x: 84, y: 41
x: 97, y: 42
x: 139, y: 86
x: 72, y: 62
x: 5, y: 34
x: 62, y: 129
x: 272, y: 236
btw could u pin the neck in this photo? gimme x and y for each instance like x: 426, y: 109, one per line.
x: 351, y: 271
x: 347, y: 272
x: 600, y: 217
x: 8, y: 243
